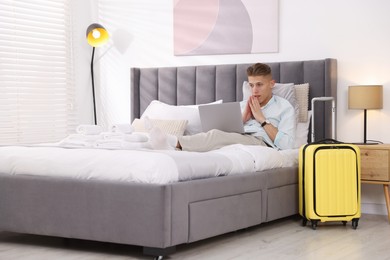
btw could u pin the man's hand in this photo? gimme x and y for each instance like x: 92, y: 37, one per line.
x: 255, y: 108
x: 247, y: 115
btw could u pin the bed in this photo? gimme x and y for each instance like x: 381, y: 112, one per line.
x: 159, y: 217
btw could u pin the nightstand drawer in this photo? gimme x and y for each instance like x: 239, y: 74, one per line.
x: 374, y: 164
x: 375, y: 160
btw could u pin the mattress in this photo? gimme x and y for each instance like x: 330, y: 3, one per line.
x: 141, y: 166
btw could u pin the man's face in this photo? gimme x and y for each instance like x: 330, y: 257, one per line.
x: 261, y: 87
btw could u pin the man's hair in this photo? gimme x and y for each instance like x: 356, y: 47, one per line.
x: 259, y: 69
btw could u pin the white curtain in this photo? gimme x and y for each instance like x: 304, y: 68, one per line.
x: 36, y: 73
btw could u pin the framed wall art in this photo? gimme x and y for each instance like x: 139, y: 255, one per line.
x: 203, y: 27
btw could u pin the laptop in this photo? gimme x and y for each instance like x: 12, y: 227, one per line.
x: 226, y: 117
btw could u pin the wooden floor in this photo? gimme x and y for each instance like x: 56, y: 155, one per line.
x: 281, y: 239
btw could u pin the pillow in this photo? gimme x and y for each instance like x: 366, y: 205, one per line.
x: 302, y: 96
x: 302, y: 131
x: 246, y: 91
x: 160, y: 110
x: 286, y: 91
x: 172, y: 127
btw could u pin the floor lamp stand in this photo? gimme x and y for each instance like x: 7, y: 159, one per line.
x: 93, y: 87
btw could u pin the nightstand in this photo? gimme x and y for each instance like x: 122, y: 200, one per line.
x: 375, y: 168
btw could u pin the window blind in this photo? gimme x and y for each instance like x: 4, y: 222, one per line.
x: 36, y: 73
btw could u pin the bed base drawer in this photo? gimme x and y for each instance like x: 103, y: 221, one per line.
x: 218, y: 216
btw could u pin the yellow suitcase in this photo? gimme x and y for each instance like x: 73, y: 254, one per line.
x: 329, y: 182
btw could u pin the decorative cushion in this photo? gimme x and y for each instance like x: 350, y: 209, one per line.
x: 172, y: 127
x: 160, y: 110
x: 302, y: 97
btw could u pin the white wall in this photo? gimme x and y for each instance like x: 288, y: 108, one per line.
x: 83, y: 14
x: 355, y: 32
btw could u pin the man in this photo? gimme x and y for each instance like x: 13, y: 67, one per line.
x: 273, y: 118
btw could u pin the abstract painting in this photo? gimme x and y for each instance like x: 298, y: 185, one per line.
x: 225, y: 26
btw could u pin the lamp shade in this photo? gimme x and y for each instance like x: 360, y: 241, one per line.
x: 365, y: 97
x: 97, y: 35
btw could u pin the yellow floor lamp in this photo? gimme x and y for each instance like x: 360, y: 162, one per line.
x: 96, y: 36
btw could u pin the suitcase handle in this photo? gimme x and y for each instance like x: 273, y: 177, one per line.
x: 323, y: 99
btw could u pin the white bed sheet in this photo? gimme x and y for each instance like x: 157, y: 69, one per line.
x: 142, y: 166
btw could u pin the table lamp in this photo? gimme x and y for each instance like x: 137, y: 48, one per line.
x: 96, y: 36
x: 365, y: 97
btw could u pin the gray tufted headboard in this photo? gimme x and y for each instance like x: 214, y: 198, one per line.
x: 202, y: 84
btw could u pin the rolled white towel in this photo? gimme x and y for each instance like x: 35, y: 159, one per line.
x: 136, y: 137
x: 111, y: 135
x: 123, y: 145
x: 122, y: 128
x: 108, y: 144
x: 89, y: 129
x: 133, y: 137
x: 76, y: 143
x: 82, y: 137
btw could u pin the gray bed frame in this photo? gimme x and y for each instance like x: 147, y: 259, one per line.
x: 159, y: 217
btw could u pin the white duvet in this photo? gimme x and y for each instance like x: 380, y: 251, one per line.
x: 143, y: 166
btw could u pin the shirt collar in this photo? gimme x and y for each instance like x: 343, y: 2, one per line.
x: 272, y: 100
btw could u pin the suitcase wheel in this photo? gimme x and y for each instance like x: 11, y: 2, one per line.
x: 304, y: 222
x: 355, y: 223
x: 314, y: 224
x: 344, y: 223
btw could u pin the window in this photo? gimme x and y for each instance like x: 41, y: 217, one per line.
x: 36, y: 72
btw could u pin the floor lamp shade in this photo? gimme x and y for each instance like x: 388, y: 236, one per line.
x: 97, y: 36
x: 365, y: 97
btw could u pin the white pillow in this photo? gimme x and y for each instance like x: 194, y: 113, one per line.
x: 160, y: 110
x: 302, y: 132
x: 286, y: 91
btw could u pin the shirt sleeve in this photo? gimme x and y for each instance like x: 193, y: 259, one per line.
x: 285, y: 138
